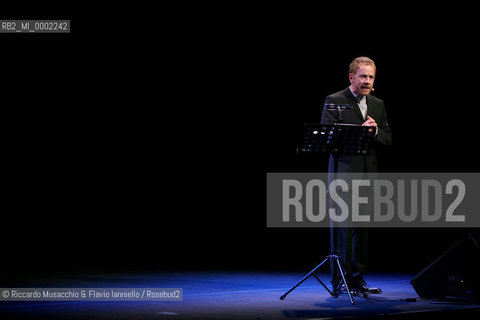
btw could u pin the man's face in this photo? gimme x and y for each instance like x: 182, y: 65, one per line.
x: 362, y: 81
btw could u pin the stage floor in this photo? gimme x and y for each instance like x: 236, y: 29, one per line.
x: 233, y: 295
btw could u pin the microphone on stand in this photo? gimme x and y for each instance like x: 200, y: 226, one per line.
x: 338, y: 107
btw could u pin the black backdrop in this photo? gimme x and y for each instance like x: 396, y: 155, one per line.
x: 142, y: 142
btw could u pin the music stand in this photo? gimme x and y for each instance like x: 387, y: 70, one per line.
x: 338, y: 138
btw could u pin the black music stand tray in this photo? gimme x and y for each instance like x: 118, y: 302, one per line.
x: 338, y: 138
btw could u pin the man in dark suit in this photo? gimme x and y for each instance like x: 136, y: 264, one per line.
x: 350, y: 243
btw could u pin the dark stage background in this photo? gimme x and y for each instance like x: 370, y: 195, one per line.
x: 146, y: 146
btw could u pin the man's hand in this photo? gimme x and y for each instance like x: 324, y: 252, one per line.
x: 370, y: 122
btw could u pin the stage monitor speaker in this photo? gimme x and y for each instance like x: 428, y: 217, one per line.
x: 455, y: 274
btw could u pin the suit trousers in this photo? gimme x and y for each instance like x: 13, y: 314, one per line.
x: 347, y: 241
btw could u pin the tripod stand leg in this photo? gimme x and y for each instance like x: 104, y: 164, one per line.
x: 303, y: 279
x: 323, y: 284
x: 344, y: 280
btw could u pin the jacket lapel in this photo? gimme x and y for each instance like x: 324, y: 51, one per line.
x: 354, y: 104
x: 369, y: 107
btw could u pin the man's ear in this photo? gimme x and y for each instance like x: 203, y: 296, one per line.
x: 350, y: 77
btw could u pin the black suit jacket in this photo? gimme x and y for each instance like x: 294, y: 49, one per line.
x: 376, y: 110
